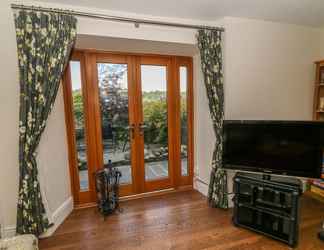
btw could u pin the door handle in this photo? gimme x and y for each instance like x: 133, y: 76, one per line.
x: 141, y: 128
x: 131, y: 129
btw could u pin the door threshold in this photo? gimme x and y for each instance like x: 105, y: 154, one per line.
x: 85, y: 205
x: 140, y: 196
x: 156, y: 193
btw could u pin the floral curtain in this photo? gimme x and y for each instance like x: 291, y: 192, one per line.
x: 209, y: 43
x: 44, y: 43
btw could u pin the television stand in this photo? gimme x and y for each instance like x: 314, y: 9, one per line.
x: 269, y: 206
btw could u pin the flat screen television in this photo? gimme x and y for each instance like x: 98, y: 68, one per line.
x: 274, y: 147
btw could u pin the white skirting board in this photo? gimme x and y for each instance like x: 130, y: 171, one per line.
x: 9, y: 231
x: 58, y: 218
x: 200, y: 186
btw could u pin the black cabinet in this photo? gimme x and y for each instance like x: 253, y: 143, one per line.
x: 268, y: 205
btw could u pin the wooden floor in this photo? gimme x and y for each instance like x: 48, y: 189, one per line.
x: 174, y: 221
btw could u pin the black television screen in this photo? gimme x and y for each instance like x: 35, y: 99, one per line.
x: 279, y: 147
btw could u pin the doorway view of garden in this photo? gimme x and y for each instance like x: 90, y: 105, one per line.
x: 132, y: 112
x: 114, y: 101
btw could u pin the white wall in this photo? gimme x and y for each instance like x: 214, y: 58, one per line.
x: 322, y: 44
x: 53, y: 163
x: 269, y: 70
x: 106, y: 43
x: 268, y: 75
x: 9, y: 92
x: 53, y: 158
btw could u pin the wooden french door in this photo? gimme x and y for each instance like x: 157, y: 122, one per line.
x: 137, y: 116
x: 155, y: 122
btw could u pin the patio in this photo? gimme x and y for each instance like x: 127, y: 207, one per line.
x: 153, y: 170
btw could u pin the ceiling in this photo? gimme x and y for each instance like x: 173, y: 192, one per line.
x: 305, y: 12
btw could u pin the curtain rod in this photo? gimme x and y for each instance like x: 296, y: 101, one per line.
x: 137, y: 22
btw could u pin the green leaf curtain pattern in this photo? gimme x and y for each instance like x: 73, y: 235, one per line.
x: 209, y: 43
x: 44, y: 43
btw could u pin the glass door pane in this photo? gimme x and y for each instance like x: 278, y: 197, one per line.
x: 155, y: 121
x: 116, y: 136
x: 79, y: 125
x: 183, y: 71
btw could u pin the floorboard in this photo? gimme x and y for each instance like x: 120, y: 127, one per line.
x: 174, y: 221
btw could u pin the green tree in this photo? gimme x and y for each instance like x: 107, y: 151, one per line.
x: 155, y: 117
x: 184, y: 119
x: 78, y: 108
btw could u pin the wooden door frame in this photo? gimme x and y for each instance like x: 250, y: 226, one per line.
x: 79, y: 197
x: 89, y: 57
x: 188, y: 63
